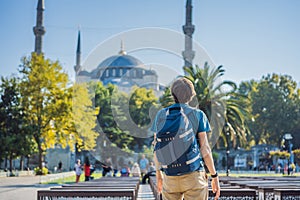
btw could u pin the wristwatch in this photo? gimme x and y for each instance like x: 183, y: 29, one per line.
x: 214, y: 175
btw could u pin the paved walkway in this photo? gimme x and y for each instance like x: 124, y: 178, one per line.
x: 20, y: 188
x: 145, y: 193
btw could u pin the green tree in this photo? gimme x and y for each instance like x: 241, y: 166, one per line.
x: 84, y: 116
x: 13, y: 130
x: 275, y: 102
x: 46, y: 102
x: 247, y: 88
x: 109, y: 101
x: 166, y: 99
x: 142, y: 102
x: 218, y: 99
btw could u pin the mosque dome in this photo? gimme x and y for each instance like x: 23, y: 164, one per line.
x: 120, y: 61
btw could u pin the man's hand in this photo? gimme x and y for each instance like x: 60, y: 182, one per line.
x: 159, y: 181
x: 159, y: 185
x: 215, y: 186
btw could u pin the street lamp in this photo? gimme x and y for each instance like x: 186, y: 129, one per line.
x: 288, y: 137
x: 227, y: 148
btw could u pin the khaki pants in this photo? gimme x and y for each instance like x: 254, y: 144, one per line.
x: 192, y: 186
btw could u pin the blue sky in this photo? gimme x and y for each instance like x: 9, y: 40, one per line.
x: 249, y: 38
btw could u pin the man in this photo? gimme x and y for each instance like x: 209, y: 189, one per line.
x: 183, y: 176
x: 144, y: 165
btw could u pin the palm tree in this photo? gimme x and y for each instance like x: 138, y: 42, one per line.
x: 220, y: 102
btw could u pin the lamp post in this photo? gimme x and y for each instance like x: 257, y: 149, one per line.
x: 227, y: 149
x: 288, y: 137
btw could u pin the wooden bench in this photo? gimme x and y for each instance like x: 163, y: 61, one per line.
x: 234, y: 193
x: 98, y: 187
x: 126, y: 194
x: 287, y: 194
x: 104, y: 188
x: 268, y: 192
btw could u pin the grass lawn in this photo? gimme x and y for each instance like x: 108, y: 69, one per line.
x: 71, y: 179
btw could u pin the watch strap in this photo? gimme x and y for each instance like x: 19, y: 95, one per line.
x: 214, y: 175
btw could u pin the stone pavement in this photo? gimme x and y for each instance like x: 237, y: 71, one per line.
x: 21, y: 188
x: 145, y: 193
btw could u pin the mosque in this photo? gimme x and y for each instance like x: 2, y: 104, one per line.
x: 121, y: 69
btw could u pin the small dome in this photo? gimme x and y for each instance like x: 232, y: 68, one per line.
x: 84, y: 73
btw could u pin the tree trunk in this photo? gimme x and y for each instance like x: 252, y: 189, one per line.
x: 27, y: 165
x: 40, y: 157
x: 40, y: 153
x: 10, y: 165
x: 5, y: 164
x: 22, y: 163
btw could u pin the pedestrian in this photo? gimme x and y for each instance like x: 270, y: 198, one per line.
x: 87, y: 169
x: 178, y: 129
x: 151, y: 172
x: 135, y: 170
x: 144, y: 163
x: 125, y: 170
x: 107, y: 168
x: 151, y: 167
x: 78, y: 170
x: 59, y: 168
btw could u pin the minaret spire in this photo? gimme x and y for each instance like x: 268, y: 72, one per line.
x: 78, y: 54
x: 39, y: 29
x: 122, y: 51
x: 188, y: 29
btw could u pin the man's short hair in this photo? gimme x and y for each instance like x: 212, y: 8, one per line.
x: 183, y: 90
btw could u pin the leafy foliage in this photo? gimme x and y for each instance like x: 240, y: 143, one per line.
x: 220, y: 102
x: 13, y: 130
x: 124, y: 118
x: 280, y: 154
x: 84, y: 118
x: 46, y: 102
x: 275, y: 107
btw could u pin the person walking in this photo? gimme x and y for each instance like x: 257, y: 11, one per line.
x: 87, y: 169
x: 180, y: 146
x: 78, y: 170
x: 144, y: 163
x: 59, y: 166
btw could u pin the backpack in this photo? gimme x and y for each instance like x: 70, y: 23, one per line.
x: 176, y: 145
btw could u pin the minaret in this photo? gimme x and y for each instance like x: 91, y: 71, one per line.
x: 39, y: 29
x: 78, y: 55
x: 188, y: 29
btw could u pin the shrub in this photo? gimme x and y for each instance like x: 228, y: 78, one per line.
x: 39, y: 171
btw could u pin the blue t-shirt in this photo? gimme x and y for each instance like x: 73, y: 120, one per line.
x: 143, y: 163
x: 196, y: 116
